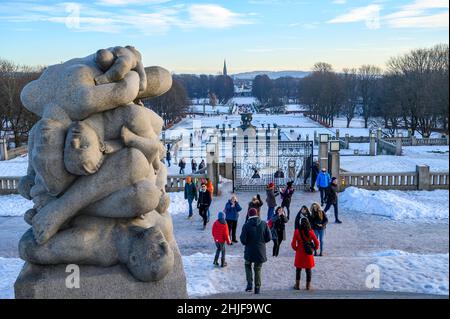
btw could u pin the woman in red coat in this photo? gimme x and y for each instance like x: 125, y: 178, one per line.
x: 221, y: 237
x: 303, y: 260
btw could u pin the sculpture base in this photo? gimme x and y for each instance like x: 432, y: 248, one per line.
x: 49, y: 282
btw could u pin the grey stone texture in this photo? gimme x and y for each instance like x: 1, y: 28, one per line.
x: 96, y: 179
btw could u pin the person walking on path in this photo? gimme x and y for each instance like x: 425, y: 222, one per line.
x: 168, y: 157
x: 221, y: 237
x: 323, y: 181
x: 319, y: 223
x: 271, y: 200
x: 314, y: 173
x: 193, y: 166
x: 277, y: 227
x: 203, y: 203
x: 303, y: 213
x: 182, y: 166
x: 232, y: 209
x: 332, y: 199
x: 255, y: 203
x: 190, y: 194
x: 255, y: 235
x: 286, y: 196
x: 302, y: 242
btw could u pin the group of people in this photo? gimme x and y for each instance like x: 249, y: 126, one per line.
x: 194, y: 166
x: 203, y: 195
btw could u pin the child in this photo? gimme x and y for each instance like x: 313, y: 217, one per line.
x: 221, y: 236
x: 304, y: 258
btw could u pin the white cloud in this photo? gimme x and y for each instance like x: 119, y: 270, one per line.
x: 369, y: 14
x: 339, y: 1
x: 420, y: 14
x: 214, y: 16
x: 439, y: 20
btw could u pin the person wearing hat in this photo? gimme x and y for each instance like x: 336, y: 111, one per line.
x: 190, y: 193
x: 323, y: 181
x: 271, y: 200
x: 255, y: 235
x: 286, y: 196
x: 221, y: 237
x: 203, y: 203
x: 232, y: 209
x: 332, y: 199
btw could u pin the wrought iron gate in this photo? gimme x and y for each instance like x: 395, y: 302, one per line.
x: 257, y: 164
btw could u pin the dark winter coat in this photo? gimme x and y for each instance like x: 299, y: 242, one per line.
x: 232, y: 213
x: 190, y: 191
x: 278, y: 227
x: 194, y: 167
x: 168, y: 156
x: 319, y: 224
x: 314, y: 171
x: 201, y: 165
x: 286, y: 196
x: 182, y: 164
x: 302, y: 260
x: 331, y: 195
x: 299, y: 216
x: 204, y: 199
x: 254, y: 236
x: 271, y: 194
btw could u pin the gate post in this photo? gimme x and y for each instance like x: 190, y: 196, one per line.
x: 323, y: 150
x: 3, y: 150
x: 212, y: 165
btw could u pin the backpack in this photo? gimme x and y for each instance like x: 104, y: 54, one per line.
x: 307, y: 244
x: 270, y: 224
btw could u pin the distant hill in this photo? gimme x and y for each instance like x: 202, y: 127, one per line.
x: 270, y: 74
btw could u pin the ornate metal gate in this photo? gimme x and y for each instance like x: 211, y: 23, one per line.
x: 257, y: 163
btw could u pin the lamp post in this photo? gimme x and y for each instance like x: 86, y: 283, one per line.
x: 334, y: 159
x: 323, y: 150
x: 372, y: 144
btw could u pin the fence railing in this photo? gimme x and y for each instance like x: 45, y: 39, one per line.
x: 375, y: 181
x: 413, y: 141
x: 175, y: 183
x: 386, y: 147
x: 9, y: 185
x: 439, y: 180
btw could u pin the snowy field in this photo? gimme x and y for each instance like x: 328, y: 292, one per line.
x: 14, y: 205
x: 426, y: 206
x: 14, y: 167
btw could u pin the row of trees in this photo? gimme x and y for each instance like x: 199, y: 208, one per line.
x: 274, y: 93
x: 411, y: 93
x: 203, y: 86
x: 15, y: 120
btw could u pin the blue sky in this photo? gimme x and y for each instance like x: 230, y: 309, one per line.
x: 195, y: 36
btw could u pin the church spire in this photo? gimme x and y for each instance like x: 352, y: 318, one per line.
x: 225, y: 68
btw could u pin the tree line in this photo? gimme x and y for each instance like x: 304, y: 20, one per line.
x: 411, y: 93
x: 204, y: 86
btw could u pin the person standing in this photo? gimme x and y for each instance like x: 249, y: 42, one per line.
x: 210, y: 187
x: 201, y: 165
x: 277, y: 227
x: 319, y: 221
x: 193, y: 166
x: 168, y: 157
x: 271, y: 200
x: 323, y: 181
x: 302, y: 242
x: 255, y: 235
x: 332, y: 199
x: 190, y: 193
x: 303, y: 213
x: 232, y: 209
x: 314, y: 173
x: 221, y: 237
x: 182, y: 166
x: 203, y: 203
x: 286, y: 196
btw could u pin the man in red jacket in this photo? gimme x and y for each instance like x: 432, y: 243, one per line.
x: 221, y: 236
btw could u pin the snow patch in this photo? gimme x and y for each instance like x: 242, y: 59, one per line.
x: 203, y: 278
x: 397, y: 205
x: 14, y: 205
x: 178, y: 205
x: 9, y: 270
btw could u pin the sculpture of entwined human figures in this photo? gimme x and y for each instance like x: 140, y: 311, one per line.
x: 95, y: 173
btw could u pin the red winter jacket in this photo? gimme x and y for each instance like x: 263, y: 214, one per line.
x: 220, y: 232
x: 302, y: 260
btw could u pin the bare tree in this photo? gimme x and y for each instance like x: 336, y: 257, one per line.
x: 350, y: 92
x: 367, y: 78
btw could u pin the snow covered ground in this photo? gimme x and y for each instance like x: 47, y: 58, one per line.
x: 14, y: 205
x: 9, y: 270
x: 14, y: 167
x: 426, y: 206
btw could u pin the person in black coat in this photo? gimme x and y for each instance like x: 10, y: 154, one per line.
x: 278, y: 229
x: 256, y: 203
x: 319, y: 221
x: 331, y: 199
x: 315, y: 170
x: 203, y: 203
x: 168, y: 157
x: 302, y: 213
x: 254, y: 236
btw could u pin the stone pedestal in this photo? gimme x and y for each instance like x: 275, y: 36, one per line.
x: 3, y: 150
x: 49, y: 282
